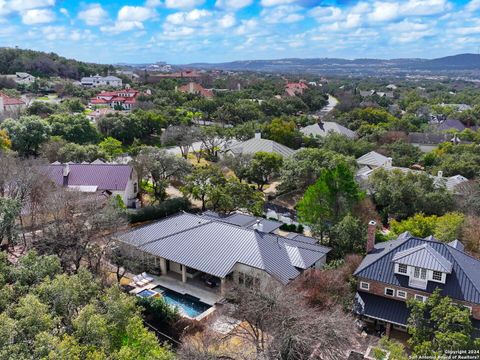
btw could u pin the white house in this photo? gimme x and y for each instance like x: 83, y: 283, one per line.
x: 97, y: 81
x: 22, y: 78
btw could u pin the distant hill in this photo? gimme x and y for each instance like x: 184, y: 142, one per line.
x: 461, y: 62
x: 44, y: 64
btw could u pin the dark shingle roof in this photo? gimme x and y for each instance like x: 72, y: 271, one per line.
x: 462, y: 284
x: 104, y: 176
x: 214, y: 247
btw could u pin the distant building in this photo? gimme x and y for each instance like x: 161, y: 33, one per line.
x: 129, y: 74
x: 323, y: 128
x: 119, y: 100
x: 294, y: 89
x: 10, y: 105
x: 97, y: 81
x: 194, y: 88
x: 21, y: 78
x: 257, y: 144
x: 388, y: 94
x: 106, y: 179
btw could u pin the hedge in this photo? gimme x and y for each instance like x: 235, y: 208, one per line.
x: 166, y: 208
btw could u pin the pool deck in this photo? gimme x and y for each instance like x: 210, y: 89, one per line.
x: 205, y: 295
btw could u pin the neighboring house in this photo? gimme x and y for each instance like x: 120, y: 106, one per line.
x: 449, y: 124
x: 412, y: 268
x: 429, y: 141
x: 257, y: 144
x: 124, y: 99
x: 10, y: 105
x: 97, y: 80
x: 107, y: 179
x: 227, y: 248
x: 129, y: 74
x: 374, y: 160
x: 294, y: 89
x: 22, y: 78
x: 388, y: 94
x: 99, y: 113
x: 197, y: 89
x: 322, y: 129
x: 458, y: 107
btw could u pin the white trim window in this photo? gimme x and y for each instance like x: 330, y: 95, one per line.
x: 401, y: 294
x: 389, y: 292
x: 421, y: 298
x: 437, y: 276
x: 364, y: 285
x: 402, y: 268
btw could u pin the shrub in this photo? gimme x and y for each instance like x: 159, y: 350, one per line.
x: 166, y: 208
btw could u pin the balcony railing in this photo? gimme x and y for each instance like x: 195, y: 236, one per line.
x: 417, y: 283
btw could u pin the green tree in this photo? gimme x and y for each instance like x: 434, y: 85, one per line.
x: 111, y: 147
x: 5, y: 142
x: 404, y: 154
x: 263, y: 167
x: 27, y: 134
x: 438, y: 325
x: 400, y: 195
x: 9, y: 211
x: 303, y: 168
x: 348, y: 236
x: 284, y: 132
x: 73, y: 128
x: 234, y: 195
x: 332, y: 196
x: 199, y: 183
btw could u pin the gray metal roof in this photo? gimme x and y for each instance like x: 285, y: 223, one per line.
x: 381, y: 308
x: 463, y: 283
x: 244, y: 220
x: 254, y: 145
x: 373, y: 159
x: 214, y: 246
x: 457, y: 245
x: 423, y: 256
x: 324, y: 128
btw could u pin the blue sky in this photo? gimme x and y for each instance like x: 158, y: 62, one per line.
x: 184, y: 31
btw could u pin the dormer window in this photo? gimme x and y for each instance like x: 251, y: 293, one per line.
x: 420, y: 273
x: 437, y: 276
x: 402, y: 268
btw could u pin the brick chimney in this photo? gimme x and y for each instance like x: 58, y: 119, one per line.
x: 372, y: 227
x: 65, y: 173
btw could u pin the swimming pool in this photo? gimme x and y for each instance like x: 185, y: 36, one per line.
x: 187, y: 304
x: 146, y: 293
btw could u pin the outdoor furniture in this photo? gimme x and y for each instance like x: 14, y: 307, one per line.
x: 146, y: 277
x: 211, y: 282
x: 140, y: 281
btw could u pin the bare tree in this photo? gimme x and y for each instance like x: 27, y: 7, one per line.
x: 182, y: 136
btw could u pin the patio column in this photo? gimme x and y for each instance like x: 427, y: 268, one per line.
x: 163, y: 266
x: 388, y: 330
x: 184, y: 273
x: 223, y: 283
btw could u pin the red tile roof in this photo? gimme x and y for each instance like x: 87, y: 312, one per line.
x: 7, y: 100
x: 194, y: 88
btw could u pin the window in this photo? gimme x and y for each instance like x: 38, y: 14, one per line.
x: 364, y: 285
x: 421, y: 298
x: 437, y: 275
x: 401, y: 294
x: 402, y: 268
x: 420, y: 273
x: 389, y: 292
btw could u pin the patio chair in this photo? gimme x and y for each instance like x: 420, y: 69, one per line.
x: 146, y: 277
x: 139, y: 281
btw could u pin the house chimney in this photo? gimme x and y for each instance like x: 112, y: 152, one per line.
x: 66, y: 172
x: 372, y: 227
x: 258, y: 226
x: 440, y: 174
x: 258, y: 135
x: 389, y: 162
x: 2, y: 105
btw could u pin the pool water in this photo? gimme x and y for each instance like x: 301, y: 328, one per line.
x: 146, y: 293
x: 187, y: 304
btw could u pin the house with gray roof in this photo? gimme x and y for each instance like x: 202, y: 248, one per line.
x: 323, y: 128
x: 97, y: 177
x: 257, y: 144
x: 227, y: 248
x: 413, y: 268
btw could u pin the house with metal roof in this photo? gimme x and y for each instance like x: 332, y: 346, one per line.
x: 257, y: 144
x: 190, y: 247
x: 107, y: 179
x: 323, y: 128
x: 413, y: 268
x: 97, y: 80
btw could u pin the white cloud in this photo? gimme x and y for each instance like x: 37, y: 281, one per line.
x: 153, y: 3
x: 65, y: 12
x: 282, y: 14
x: 384, y: 11
x: 21, y: 5
x: 233, y: 4
x: 122, y: 26
x: 38, y: 16
x: 190, y: 18
x: 227, y: 21
x: 268, y: 3
x: 135, y: 13
x: 183, y: 4
x: 93, y: 15
x: 326, y: 13
x: 473, y: 6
